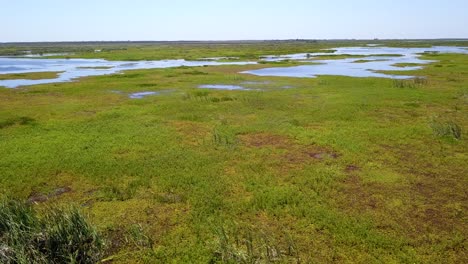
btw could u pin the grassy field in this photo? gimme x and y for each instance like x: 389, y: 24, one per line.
x: 237, y: 50
x: 332, y: 170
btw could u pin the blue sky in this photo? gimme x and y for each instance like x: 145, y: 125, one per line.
x: 71, y: 20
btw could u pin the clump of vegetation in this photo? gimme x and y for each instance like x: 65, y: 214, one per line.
x: 413, y: 83
x: 138, y: 237
x: 362, y: 61
x: 403, y: 84
x: 246, y: 245
x: 133, y: 237
x: 128, y: 76
x: 420, y: 81
x: 447, y: 129
x: 195, y: 72
x: 203, y: 96
x: 23, y: 120
x: 223, y: 137
x: 56, y: 236
x: 286, y: 61
x: 200, y: 95
x: 403, y: 65
x: 147, y: 84
x: 222, y: 99
x: 237, y: 78
x: 118, y: 193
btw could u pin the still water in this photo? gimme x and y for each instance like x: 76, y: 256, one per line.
x: 75, y: 68
x: 372, y: 59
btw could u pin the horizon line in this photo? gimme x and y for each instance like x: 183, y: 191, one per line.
x: 235, y: 40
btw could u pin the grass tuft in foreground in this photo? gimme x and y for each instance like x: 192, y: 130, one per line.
x: 246, y: 245
x: 56, y: 236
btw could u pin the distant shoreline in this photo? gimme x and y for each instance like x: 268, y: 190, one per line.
x: 223, y: 41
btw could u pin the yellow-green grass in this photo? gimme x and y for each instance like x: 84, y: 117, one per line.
x: 336, y: 169
x: 30, y: 76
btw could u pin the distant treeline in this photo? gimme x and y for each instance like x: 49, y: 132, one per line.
x: 23, y: 48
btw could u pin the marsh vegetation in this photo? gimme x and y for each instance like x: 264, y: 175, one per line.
x: 334, y: 169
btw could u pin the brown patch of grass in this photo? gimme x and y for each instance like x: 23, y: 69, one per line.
x: 259, y: 140
x: 191, y: 133
x: 358, y: 196
x: 351, y: 168
x: 115, y: 240
x: 434, y: 210
x: 300, y: 155
x: 428, y: 206
x: 290, y: 153
x: 159, y: 218
x: 293, y: 243
x: 435, y: 188
x: 417, y: 212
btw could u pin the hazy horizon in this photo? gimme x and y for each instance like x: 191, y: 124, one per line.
x: 231, y: 40
x: 209, y: 20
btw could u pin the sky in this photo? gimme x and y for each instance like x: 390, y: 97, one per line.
x: 122, y: 20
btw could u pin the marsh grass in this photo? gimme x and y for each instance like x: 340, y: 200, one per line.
x: 53, y: 236
x: 412, y: 83
x: 223, y: 137
x: 30, y: 76
x: 177, y: 165
x: 280, y: 62
x: 23, y: 120
x: 420, y: 81
x: 200, y: 95
x: 447, y: 129
x: 138, y: 237
x: 237, y: 78
x: 122, y: 190
x: 255, y: 100
x: 243, y: 244
x: 204, y: 96
x: 116, y: 193
x: 195, y: 72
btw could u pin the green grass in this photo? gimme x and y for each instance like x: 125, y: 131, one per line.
x: 407, y: 65
x: 336, y: 169
x: 30, y: 76
x: 56, y: 236
x: 243, y: 50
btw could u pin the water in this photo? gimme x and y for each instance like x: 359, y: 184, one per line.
x: 409, y: 53
x: 374, y: 61
x: 376, y: 58
x: 344, y: 67
x: 141, y: 95
x: 75, y: 68
x: 223, y: 87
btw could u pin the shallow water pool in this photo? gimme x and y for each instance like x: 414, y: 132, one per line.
x: 372, y: 60
x: 75, y: 68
